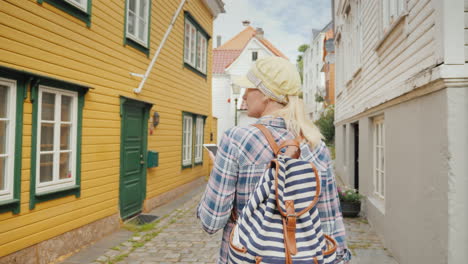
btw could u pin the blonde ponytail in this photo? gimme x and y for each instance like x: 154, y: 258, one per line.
x: 296, y: 121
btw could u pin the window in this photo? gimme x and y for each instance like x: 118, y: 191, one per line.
x: 12, y: 95
x: 137, y: 22
x: 254, y: 55
x: 195, y: 45
x: 199, y: 140
x: 187, y: 141
x: 391, y: 11
x: 56, y: 144
x: 81, y: 4
x: 7, y: 137
x: 192, y: 139
x: 80, y: 9
x: 379, y: 157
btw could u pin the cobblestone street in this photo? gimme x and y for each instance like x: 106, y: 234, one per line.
x: 178, y: 238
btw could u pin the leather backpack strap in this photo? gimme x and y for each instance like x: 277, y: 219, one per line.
x: 289, y: 228
x: 269, y: 137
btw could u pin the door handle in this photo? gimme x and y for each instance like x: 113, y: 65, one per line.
x: 142, y: 161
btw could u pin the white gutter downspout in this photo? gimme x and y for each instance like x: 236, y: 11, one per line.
x: 161, y: 45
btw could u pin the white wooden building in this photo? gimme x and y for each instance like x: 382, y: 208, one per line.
x: 231, y: 60
x: 313, y: 83
x: 402, y: 121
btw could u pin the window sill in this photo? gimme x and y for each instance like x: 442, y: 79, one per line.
x: 38, y: 194
x: 187, y: 166
x: 69, y: 8
x: 390, y: 30
x: 10, y: 205
x: 199, y: 163
x: 54, y: 194
x: 378, y: 203
x: 190, y: 67
x: 130, y: 42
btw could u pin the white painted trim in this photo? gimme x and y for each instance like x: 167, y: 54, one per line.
x: 187, y: 131
x: 56, y: 182
x: 378, y: 204
x: 391, y: 28
x: 83, y: 6
x: 453, y: 32
x: 378, y: 131
x: 161, y: 45
x: 215, y: 6
x: 199, y: 139
x: 7, y: 193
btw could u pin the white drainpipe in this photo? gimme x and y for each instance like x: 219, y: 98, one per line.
x: 161, y: 45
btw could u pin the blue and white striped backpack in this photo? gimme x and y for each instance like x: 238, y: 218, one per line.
x: 280, y: 222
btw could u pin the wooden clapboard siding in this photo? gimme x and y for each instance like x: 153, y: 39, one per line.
x: 43, y: 39
x: 407, y: 51
x: 466, y: 30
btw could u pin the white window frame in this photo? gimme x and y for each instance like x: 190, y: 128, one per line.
x: 83, y: 6
x: 392, y: 11
x: 195, y: 47
x: 7, y: 193
x: 57, y: 183
x: 378, y: 148
x: 187, y: 135
x: 199, y: 139
x: 134, y: 37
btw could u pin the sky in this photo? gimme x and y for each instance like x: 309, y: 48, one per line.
x: 286, y: 23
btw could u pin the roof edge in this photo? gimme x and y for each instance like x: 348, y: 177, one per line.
x: 216, y: 7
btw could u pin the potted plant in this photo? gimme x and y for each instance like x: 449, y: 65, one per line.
x: 350, y: 200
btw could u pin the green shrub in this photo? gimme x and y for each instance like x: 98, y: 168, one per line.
x: 326, y: 125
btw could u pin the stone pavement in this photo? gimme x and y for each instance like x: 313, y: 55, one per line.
x: 178, y: 238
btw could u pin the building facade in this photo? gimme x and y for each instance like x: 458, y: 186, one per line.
x: 232, y: 60
x: 81, y: 149
x: 401, y: 121
x: 318, y: 72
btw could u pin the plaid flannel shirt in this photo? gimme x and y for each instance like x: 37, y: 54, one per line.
x: 241, y: 160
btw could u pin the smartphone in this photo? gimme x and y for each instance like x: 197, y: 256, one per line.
x: 211, y: 147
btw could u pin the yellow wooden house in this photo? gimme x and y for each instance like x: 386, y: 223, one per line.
x: 104, y: 107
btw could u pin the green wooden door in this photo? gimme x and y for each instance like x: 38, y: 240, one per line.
x: 133, y: 157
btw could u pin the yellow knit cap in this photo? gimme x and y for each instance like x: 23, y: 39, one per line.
x: 276, y: 77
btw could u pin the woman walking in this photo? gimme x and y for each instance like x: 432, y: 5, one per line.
x: 272, y: 95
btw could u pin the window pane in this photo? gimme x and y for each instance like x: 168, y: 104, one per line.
x: 3, y: 101
x: 46, y: 167
x: 131, y: 23
x: 132, y: 5
x: 48, y: 106
x: 47, y: 137
x: 143, y: 11
x: 141, y: 29
x: 66, y: 108
x: 65, y: 137
x: 193, y: 45
x: 3, y: 135
x: 65, y: 172
x: 187, y: 42
x: 3, y: 173
x: 199, y: 50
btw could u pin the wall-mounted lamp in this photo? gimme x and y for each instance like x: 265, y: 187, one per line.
x: 155, y: 119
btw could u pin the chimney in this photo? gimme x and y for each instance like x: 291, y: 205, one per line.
x: 259, y: 33
x: 218, y: 41
x: 246, y: 23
